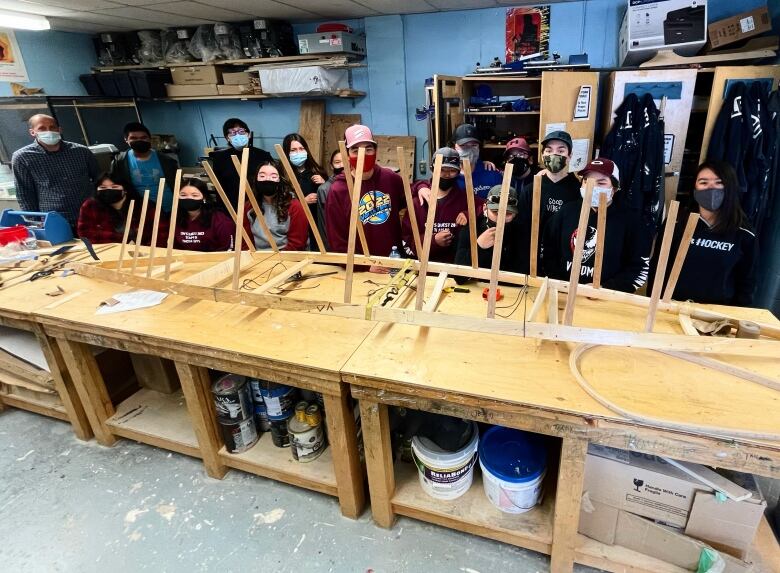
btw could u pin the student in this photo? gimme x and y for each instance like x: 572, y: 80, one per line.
x: 283, y: 213
x: 381, y: 200
x: 308, y: 172
x: 483, y: 173
x: 199, y: 225
x: 626, y: 248
x: 336, y: 167
x: 451, y: 211
x: 238, y: 137
x: 102, y: 218
x: 141, y: 167
x: 518, y: 154
x: 514, y: 248
x: 720, y: 266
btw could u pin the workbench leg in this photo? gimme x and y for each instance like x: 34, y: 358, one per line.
x: 379, y: 461
x: 196, y: 387
x: 64, y: 386
x: 342, y: 435
x: 571, y: 474
x: 89, y: 384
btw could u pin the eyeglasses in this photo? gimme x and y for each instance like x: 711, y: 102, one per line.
x: 238, y: 131
x: 495, y: 199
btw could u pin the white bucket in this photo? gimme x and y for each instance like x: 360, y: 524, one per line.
x: 511, y: 497
x: 445, y: 475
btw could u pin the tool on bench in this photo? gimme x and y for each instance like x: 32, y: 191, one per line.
x: 51, y: 227
x: 299, y: 276
x: 456, y: 289
x: 486, y: 294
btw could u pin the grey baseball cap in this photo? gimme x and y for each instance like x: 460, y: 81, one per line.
x: 494, y: 197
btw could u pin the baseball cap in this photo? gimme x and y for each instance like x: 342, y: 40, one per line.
x: 450, y: 158
x: 494, y: 197
x: 518, y: 143
x: 465, y: 133
x: 603, y: 166
x: 358, y: 134
x: 560, y: 135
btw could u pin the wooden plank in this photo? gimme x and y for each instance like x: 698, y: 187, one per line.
x: 433, y: 298
x: 126, y: 234
x: 571, y: 475
x: 498, y: 245
x: 219, y: 272
x: 410, y: 210
x: 155, y: 373
x: 226, y: 202
x: 282, y: 277
x: 354, y: 223
x: 255, y: 205
x: 172, y: 229
x: 601, y: 232
x: 32, y: 405
x: 552, y: 305
x: 576, y: 262
x: 242, y: 187
x: 311, y: 126
x: 11, y: 380
x: 428, y: 236
x: 539, y: 301
x: 25, y: 370
x: 387, y: 146
x: 679, y: 259
x: 663, y: 259
x: 379, y: 461
x: 156, y: 222
x: 140, y: 233
x: 335, y: 126
x: 467, y: 176
x: 350, y: 187
x: 536, y: 206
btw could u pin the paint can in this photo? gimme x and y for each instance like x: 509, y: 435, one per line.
x: 279, y: 433
x: 232, y: 399
x: 255, y: 384
x: 261, y: 417
x: 239, y: 435
x: 307, y: 440
x: 444, y: 474
x: 279, y: 399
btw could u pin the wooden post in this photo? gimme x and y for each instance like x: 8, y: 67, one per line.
x: 379, y: 461
x: 226, y: 202
x: 354, y: 221
x: 682, y: 251
x: 498, y: 245
x: 172, y: 229
x: 568, y: 494
x: 426, y: 253
x: 601, y: 232
x: 576, y: 261
x: 466, y: 165
x: 256, y: 207
x: 438, y: 287
x: 155, y: 225
x: 299, y: 193
x: 663, y: 259
x: 241, y: 198
x: 552, y: 305
x: 536, y: 206
x: 410, y: 211
x: 126, y: 234
x: 350, y: 183
x: 139, y: 235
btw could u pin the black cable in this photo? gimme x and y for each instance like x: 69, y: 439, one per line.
x: 245, y: 284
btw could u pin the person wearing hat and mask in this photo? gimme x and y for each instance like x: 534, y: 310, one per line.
x: 381, y: 200
x: 518, y: 154
x: 483, y: 173
x: 451, y: 211
x: 626, y: 255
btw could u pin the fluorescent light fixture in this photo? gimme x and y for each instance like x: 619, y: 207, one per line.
x: 21, y: 21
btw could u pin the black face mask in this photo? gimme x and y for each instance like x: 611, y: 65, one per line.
x: 267, y: 188
x: 110, y: 196
x: 190, y: 204
x: 520, y: 163
x: 446, y: 184
x: 338, y: 170
x: 140, y: 146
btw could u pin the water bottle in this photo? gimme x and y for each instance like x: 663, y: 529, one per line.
x: 394, y: 254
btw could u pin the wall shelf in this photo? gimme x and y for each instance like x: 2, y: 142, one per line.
x: 345, y: 94
x: 489, y: 78
x: 502, y: 113
x: 244, y: 62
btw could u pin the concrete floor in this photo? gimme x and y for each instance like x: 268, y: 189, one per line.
x: 67, y: 505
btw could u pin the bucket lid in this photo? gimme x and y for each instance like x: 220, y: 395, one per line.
x: 227, y: 384
x: 512, y: 455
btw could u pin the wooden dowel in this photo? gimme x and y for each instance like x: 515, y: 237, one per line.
x: 410, y: 211
x: 539, y: 301
x: 241, y: 201
x: 682, y: 251
x: 350, y: 185
x: 156, y: 224
x: 438, y: 287
x: 601, y: 231
x: 299, y: 193
x: 354, y: 221
x: 126, y: 234
x: 536, y: 206
x: 663, y: 259
x: 140, y: 234
x: 466, y: 165
x: 576, y: 261
x: 498, y: 245
x: 226, y: 202
x: 552, y: 305
x: 172, y: 228
x: 256, y: 208
x: 426, y: 252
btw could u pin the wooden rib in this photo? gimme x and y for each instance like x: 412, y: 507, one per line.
x: 139, y: 234
x: 226, y: 202
x: 256, y: 208
x: 438, y: 287
x: 428, y: 238
x: 687, y: 324
x: 156, y: 223
x: 241, y: 201
x: 552, y: 305
x: 354, y: 221
x: 299, y: 193
x: 472, y: 212
x: 350, y: 183
x: 576, y: 262
x: 282, y: 277
x: 682, y: 251
x: 536, y: 205
x: 172, y: 229
x: 498, y: 245
x: 410, y: 211
x: 126, y: 234
x: 663, y: 259
x: 601, y: 230
x: 539, y: 301
x: 217, y: 273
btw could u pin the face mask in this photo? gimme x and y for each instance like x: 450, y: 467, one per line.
x: 710, y: 199
x: 594, y: 200
x: 446, y: 184
x: 140, y: 146
x: 368, y: 163
x: 109, y: 195
x: 190, y: 204
x: 267, y: 188
x: 298, y: 158
x: 49, y: 137
x: 239, y: 141
x: 470, y: 153
x: 554, y: 163
x: 520, y: 164
x: 338, y: 170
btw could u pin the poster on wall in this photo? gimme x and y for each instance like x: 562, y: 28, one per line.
x: 11, y: 63
x: 527, y: 32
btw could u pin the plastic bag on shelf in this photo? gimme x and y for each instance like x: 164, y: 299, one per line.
x: 228, y: 40
x: 150, y: 51
x: 203, y: 45
x: 176, y: 44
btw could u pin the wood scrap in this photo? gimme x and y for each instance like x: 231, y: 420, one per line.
x: 335, y: 126
x: 312, y: 127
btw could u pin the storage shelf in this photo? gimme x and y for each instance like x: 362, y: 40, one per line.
x: 243, y: 62
x: 489, y: 78
x: 502, y: 113
x: 346, y: 95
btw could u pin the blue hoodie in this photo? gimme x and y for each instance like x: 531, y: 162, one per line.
x: 483, y: 180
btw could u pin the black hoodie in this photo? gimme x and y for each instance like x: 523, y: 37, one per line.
x: 515, y: 249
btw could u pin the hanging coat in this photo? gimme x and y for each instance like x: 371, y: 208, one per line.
x: 731, y: 135
x: 757, y: 159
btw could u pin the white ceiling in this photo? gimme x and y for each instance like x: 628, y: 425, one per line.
x: 108, y: 15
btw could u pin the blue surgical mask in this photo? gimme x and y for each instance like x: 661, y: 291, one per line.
x: 594, y: 200
x: 239, y: 141
x: 49, y: 137
x: 298, y: 158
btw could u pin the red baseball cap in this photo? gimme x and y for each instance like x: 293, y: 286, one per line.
x: 518, y: 143
x: 603, y: 166
x: 358, y: 134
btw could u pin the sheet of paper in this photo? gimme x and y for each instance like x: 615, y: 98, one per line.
x: 24, y: 345
x: 582, y: 106
x: 554, y: 127
x: 668, y: 147
x: 132, y: 301
x: 579, y: 154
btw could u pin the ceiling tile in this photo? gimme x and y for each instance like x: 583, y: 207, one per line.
x: 462, y: 4
x: 198, y: 10
x: 111, y: 22
x: 32, y: 8
x: 161, y: 19
x: 70, y: 25
x: 138, y: 2
x: 271, y: 9
x: 80, y: 4
x: 399, y: 6
x: 340, y: 8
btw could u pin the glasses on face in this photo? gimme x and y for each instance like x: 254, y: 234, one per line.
x: 495, y: 200
x: 238, y: 131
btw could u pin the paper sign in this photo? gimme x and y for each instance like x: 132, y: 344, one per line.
x: 747, y: 24
x: 582, y: 107
x: 131, y: 301
x: 550, y: 127
x: 11, y: 63
x: 668, y: 147
x: 579, y: 154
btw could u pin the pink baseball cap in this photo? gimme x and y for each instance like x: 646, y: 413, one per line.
x: 358, y: 134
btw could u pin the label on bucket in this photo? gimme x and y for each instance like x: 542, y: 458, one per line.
x: 445, y: 477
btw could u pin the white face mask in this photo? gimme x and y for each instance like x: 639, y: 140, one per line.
x: 594, y: 200
x: 471, y: 153
x: 48, y: 137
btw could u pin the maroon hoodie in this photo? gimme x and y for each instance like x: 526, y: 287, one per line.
x: 197, y: 235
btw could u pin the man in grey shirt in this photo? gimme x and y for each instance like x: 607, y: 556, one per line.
x: 52, y: 174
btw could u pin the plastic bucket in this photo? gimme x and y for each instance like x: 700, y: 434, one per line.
x: 443, y: 474
x: 513, y: 466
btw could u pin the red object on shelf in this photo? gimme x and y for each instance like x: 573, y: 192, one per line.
x: 14, y: 234
x: 333, y: 27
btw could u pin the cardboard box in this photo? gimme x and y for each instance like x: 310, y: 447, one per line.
x: 236, y: 78
x: 332, y: 42
x: 235, y: 90
x: 174, y: 90
x: 196, y: 75
x: 739, y: 27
